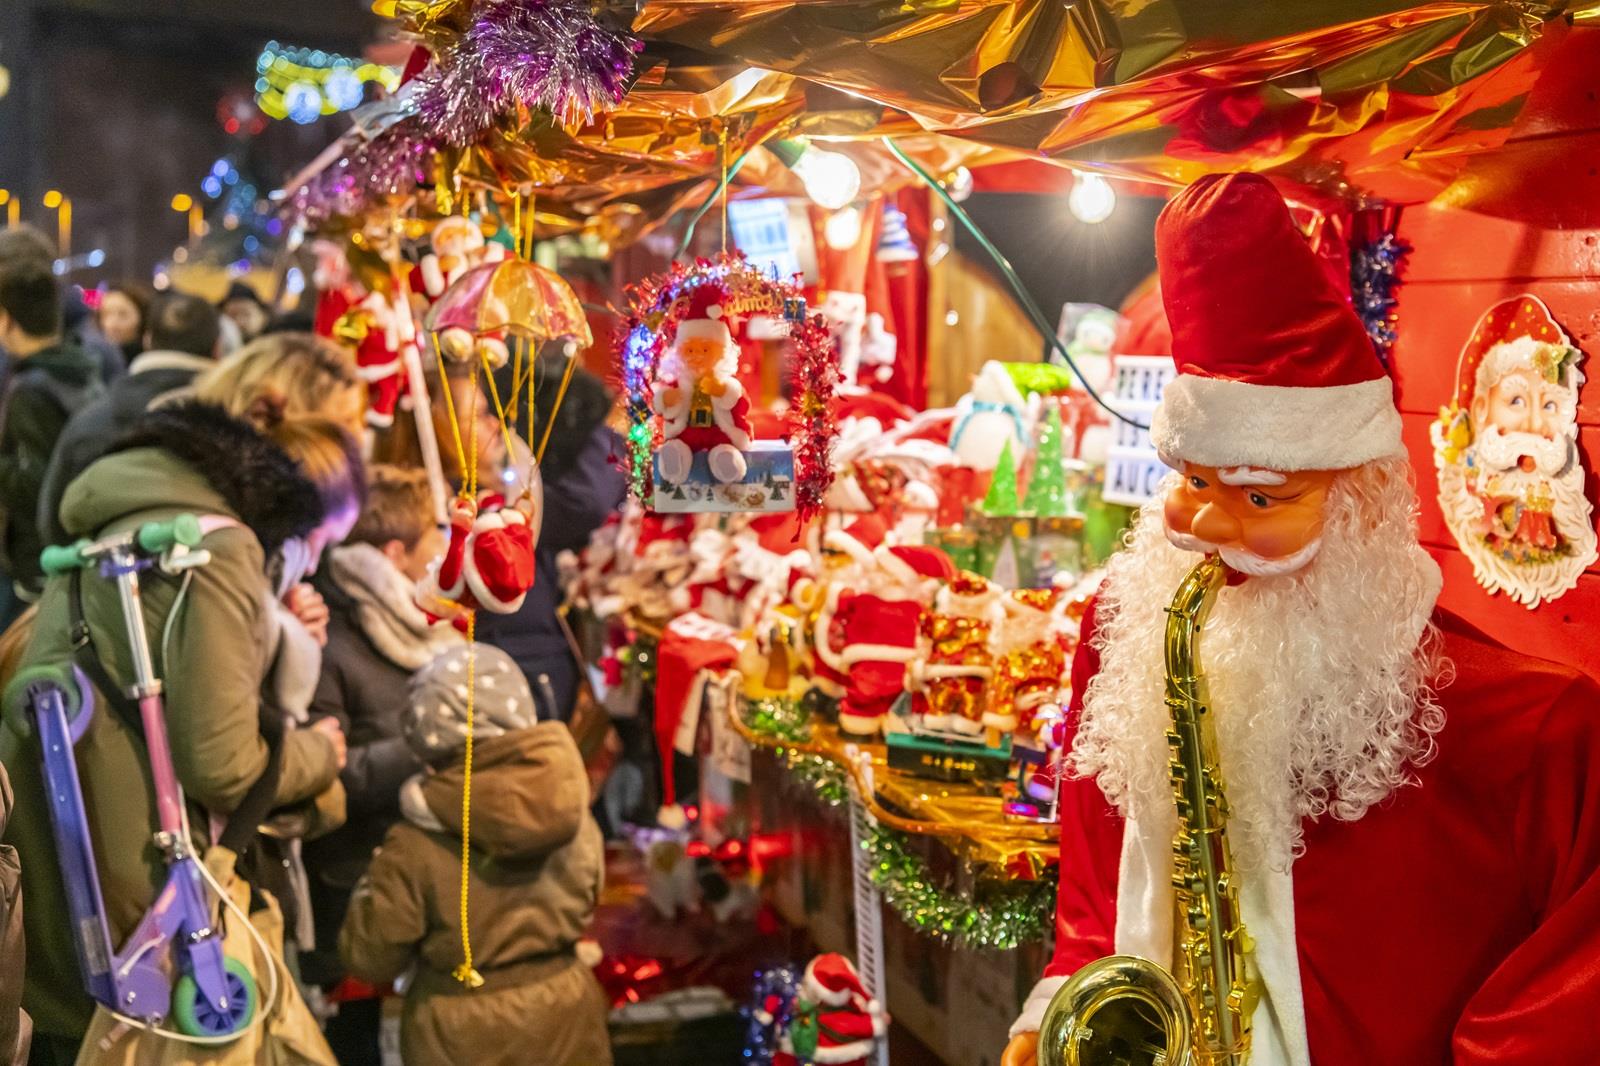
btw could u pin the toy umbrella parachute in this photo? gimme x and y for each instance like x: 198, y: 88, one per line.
x: 512, y: 297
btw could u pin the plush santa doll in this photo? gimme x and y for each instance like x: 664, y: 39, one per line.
x: 848, y: 565
x: 881, y: 631
x: 375, y: 329
x: 1413, y: 811
x: 832, y: 1020
x: 952, y: 677
x: 457, y: 246
x: 703, y: 406
x: 489, y: 563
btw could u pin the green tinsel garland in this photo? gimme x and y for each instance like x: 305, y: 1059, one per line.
x: 1010, y: 914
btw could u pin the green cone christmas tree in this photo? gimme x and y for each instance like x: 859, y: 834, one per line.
x: 1047, y: 487
x: 1002, y: 497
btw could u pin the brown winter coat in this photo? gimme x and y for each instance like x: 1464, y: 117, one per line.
x: 14, y: 1026
x: 537, y: 864
x: 212, y: 680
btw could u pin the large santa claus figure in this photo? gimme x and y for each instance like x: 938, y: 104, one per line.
x: 1413, y: 810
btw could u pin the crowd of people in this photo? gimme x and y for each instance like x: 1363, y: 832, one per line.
x: 307, y: 695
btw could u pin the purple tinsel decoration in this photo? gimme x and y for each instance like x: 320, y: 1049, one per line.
x: 391, y: 164
x: 548, y: 55
x: 1374, y: 277
x: 780, y: 985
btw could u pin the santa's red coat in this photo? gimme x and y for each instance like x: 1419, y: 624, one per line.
x: 1456, y: 923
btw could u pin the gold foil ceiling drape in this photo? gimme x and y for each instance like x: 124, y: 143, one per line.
x: 1352, y: 98
x: 1356, y: 100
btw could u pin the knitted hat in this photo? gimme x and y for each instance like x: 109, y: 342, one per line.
x: 1275, y: 369
x: 436, y: 719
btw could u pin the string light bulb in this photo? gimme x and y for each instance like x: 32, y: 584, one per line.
x: 842, y: 229
x: 1092, y: 198
x: 832, y: 179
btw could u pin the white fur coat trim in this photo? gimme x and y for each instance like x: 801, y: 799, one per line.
x: 386, y: 608
x: 1214, y: 422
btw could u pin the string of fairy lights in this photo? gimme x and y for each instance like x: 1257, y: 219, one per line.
x: 304, y: 84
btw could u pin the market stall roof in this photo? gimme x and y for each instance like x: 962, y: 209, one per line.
x: 1351, y: 102
x: 1352, y: 99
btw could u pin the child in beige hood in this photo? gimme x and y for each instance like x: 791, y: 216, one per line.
x: 537, y: 863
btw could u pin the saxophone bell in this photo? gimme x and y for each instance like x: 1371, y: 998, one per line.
x: 1121, y: 1010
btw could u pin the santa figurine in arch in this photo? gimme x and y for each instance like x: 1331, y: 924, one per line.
x: 1511, y: 484
x: 703, y: 407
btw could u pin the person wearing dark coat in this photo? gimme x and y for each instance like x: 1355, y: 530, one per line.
x: 377, y: 638
x: 16, y: 1029
x: 50, y: 380
x: 583, y: 484
x: 182, y: 341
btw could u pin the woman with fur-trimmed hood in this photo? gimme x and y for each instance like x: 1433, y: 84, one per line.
x: 211, y: 650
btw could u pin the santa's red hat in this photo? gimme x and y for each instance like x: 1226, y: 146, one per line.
x: 859, y: 539
x: 910, y: 563
x: 1516, y: 332
x: 1275, y: 369
x: 830, y: 979
x: 705, y: 317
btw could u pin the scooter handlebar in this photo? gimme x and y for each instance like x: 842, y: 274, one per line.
x: 61, y: 558
x: 152, y: 538
x: 156, y: 537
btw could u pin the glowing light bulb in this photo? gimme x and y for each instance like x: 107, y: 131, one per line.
x: 832, y: 179
x: 842, y: 229
x: 1092, y: 198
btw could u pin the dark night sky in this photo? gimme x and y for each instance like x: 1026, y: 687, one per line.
x: 114, y: 102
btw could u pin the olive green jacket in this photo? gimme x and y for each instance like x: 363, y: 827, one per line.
x: 211, y: 657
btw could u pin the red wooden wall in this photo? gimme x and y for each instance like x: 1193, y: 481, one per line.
x: 1525, y: 219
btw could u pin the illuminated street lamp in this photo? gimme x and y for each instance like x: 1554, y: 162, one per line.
x: 62, y: 206
x: 13, y: 206
x: 184, y: 204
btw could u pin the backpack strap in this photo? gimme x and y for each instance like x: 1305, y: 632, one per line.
x: 240, y: 827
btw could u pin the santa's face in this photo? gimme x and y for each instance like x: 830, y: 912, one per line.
x: 1521, y: 402
x: 701, y: 355
x: 1261, y: 522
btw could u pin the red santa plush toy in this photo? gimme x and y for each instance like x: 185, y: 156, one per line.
x: 489, y: 563
x: 881, y: 630
x: 833, y: 1021
x: 703, y: 406
x: 848, y: 566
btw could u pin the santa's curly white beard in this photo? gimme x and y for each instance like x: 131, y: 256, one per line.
x: 1320, y: 680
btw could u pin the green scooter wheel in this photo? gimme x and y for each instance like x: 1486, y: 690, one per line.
x: 196, y: 1016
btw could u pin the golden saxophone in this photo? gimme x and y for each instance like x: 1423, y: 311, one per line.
x: 1123, y: 1010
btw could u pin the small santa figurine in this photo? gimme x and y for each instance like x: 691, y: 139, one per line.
x: 489, y: 563
x: 457, y: 246
x: 374, y: 328
x: 703, y: 407
x: 950, y: 682
x: 881, y: 632
x: 833, y: 1020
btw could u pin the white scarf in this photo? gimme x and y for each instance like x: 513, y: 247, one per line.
x: 385, y: 609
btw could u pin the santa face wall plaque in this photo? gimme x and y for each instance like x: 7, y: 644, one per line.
x: 1511, y: 479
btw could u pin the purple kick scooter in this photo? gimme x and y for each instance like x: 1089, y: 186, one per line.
x: 213, y: 996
